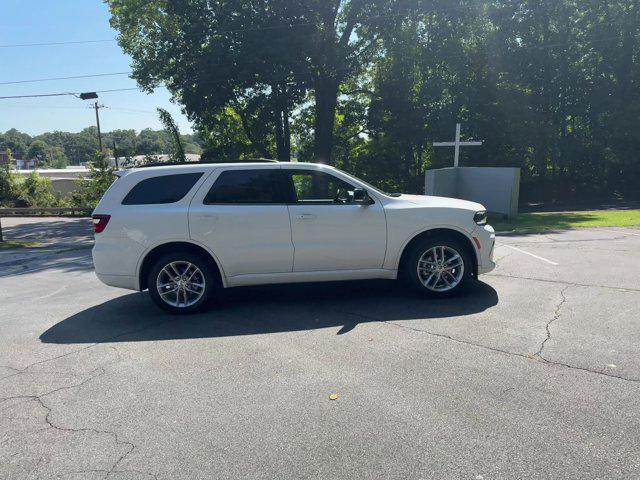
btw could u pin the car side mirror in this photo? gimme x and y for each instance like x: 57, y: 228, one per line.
x: 361, y: 197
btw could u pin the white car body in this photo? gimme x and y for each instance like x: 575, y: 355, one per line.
x: 262, y: 244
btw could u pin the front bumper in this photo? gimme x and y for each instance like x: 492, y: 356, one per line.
x: 486, y: 239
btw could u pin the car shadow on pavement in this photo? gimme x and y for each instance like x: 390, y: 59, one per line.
x: 266, y: 309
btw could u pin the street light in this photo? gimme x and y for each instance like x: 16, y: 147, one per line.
x: 91, y: 96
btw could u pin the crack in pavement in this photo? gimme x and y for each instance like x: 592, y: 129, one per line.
x: 556, y: 316
x: 51, y: 424
x: 19, y: 371
x: 494, y: 349
x: 102, y: 369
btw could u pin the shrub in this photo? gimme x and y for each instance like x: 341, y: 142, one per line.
x: 91, y: 188
x: 36, y: 191
x: 9, y: 186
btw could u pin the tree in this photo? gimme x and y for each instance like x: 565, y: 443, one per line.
x: 38, y: 150
x: 15, y: 141
x: 91, y: 189
x: 36, y: 191
x: 47, y: 156
x: 177, y: 150
x: 216, y: 54
x: 9, y: 184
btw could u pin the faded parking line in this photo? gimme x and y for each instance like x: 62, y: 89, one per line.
x: 530, y: 254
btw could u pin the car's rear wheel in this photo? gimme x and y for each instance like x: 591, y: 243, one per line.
x: 438, y: 266
x: 181, y: 282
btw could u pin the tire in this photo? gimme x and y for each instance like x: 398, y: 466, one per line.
x: 181, y: 282
x: 434, y: 277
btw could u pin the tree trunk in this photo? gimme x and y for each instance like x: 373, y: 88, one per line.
x: 283, y: 148
x: 287, y: 133
x: 326, y: 92
x: 281, y: 123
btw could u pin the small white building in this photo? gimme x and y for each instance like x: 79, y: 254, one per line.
x: 63, y: 180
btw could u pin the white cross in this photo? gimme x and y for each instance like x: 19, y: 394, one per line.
x: 457, y: 144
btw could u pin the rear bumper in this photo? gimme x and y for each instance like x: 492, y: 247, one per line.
x: 119, y: 281
x: 487, y: 237
x: 115, y: 260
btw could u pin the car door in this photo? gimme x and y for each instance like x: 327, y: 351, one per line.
x: 330, y: 232
x: 242, y: 216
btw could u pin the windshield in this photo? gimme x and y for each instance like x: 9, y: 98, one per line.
x: 366, y: 184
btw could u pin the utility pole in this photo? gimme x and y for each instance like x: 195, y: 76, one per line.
x: 91, y: 96
x: 115, y: 153
x: 96, y: 106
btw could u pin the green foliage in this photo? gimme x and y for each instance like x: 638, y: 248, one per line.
x: 35, y: 191
x: 258, y: 57
x: 551, y: 86
x: 177, y: 150
x: 15, y: 141
x: 59, y: 149
x: 9, y: 186
x: 48, y: 156
x: 91, y: 189
x: 225, y: 140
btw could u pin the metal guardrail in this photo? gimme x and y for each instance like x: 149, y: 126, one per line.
x: 45, y: 212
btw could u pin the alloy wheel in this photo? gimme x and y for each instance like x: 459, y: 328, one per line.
x: 180, y: 284
x: 440, y: 268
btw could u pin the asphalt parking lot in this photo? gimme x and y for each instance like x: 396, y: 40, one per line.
x: 534, y: 373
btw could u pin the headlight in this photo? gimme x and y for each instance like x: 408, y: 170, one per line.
x: 480, y: 217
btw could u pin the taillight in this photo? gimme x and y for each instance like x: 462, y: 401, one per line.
x: 100, y: 222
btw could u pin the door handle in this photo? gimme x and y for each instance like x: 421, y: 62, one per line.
x: 306, y: 216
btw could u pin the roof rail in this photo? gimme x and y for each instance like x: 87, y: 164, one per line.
x: 205, y: 162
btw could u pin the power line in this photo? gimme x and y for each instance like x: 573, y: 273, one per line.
x: 15, y: 82
x: 40, y: 95
x: 78, y: 42
x: 118, y: 90
x: 75, y: 94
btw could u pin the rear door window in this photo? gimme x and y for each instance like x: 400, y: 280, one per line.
x: 163, y: 189
x: 260, y: 186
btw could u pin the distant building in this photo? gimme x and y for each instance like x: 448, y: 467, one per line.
x: 18, y: 163
x: 63, y: 180
x: 21, y: 164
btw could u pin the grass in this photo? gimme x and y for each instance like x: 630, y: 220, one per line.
x: 9, y: 244
x: 540, y: 222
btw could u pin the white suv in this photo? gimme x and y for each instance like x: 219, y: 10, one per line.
x: 185, y: 231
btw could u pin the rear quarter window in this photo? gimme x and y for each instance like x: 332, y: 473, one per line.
x: 163, y: 189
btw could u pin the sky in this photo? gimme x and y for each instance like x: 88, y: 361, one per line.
x: 48, y: 21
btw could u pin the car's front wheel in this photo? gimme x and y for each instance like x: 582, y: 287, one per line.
x: 438, y: 266
x: 181, y: 282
